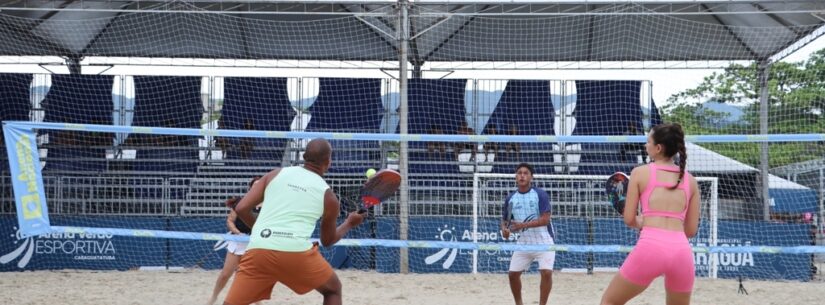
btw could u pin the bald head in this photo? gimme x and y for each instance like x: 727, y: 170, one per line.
x: 318, y: 152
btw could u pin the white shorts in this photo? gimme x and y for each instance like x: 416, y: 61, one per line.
x: 522, y: 260
x: 236, y: 247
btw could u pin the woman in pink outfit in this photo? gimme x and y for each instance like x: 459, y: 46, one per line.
x: 669, y: 198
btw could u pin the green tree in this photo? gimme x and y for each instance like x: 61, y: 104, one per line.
x: 796, y: 105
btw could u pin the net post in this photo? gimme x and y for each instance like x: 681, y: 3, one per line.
x: 403, y: 37
x: 475, y: 222
x: 764, y: 68
x: 210, y: 112
x: 822, y: 200
x: 714, y: 227
x: 650, y: 102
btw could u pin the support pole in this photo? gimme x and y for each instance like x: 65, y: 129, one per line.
x: 73, y: 63
x: 404, y: 208
x: 764, y: 68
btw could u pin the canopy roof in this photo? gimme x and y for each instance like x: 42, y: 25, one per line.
x: 440, y: 31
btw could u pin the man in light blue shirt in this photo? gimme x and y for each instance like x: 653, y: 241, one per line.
x: 527, y: 212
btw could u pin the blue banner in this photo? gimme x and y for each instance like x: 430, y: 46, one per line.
x: 607, y: 232
x: 76, y: 250
x: 107, y: 252
x: 611, y: 231
x: 766, y: 266
x: 453, y: 229
x: 80, y: 251
x: 342, y: 257
x: 207, y: 254
x: 496, y: 260
x: 27, y: 181
x: 387, y: 259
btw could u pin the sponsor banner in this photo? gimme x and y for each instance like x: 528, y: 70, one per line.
x: 612, y: 232
x: 609, y: 232
x: 342, y: 257
x: 106, y: 252
x: 207, y: 254
x: 387, y: 259
x: 80, y: 251
x: 27, y: 181
x: 757, y: 265
x: 490, y: 260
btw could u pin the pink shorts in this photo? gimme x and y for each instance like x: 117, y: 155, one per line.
x: 661, y: 252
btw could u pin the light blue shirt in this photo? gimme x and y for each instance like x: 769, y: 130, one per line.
x: 524, y: 207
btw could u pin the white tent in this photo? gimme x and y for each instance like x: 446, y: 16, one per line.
x: 786, y: 196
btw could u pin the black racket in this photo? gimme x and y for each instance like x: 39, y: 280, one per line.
x: 616, y: 188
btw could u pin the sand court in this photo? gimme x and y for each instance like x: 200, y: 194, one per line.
x: 372, y: 288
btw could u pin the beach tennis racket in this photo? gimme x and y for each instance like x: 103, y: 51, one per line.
x: 616, y: 188
x: 378, y: 188
x: 508, y: 216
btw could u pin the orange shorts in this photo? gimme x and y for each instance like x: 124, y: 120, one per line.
x: 261, y: 269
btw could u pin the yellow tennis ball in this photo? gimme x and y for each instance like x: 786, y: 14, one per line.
x: 370, y: 172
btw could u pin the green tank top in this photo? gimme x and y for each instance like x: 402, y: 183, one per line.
x: 293, y: 203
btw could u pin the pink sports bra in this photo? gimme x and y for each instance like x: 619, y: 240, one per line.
x: 653, y: 183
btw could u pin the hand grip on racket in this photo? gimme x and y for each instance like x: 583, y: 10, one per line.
x: 378, y: 188
x: 508, y: 219
x: 616, y: 188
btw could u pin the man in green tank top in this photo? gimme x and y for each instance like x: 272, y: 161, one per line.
x: 279, y: 250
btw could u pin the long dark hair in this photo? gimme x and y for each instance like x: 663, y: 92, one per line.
x: 231, y: 202
x: 672, y: 139
x: 252, y: 182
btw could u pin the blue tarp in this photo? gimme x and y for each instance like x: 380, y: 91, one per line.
x: 82, y: 99
x: 167, y: 101
x: 261, y: 104
x: 435, y: 103
x: 349, y: 105
x: 15, y: 102
x: 607, y: 108
x: 655, y: 116
x: 525, y: 105
x: 14, y: 96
